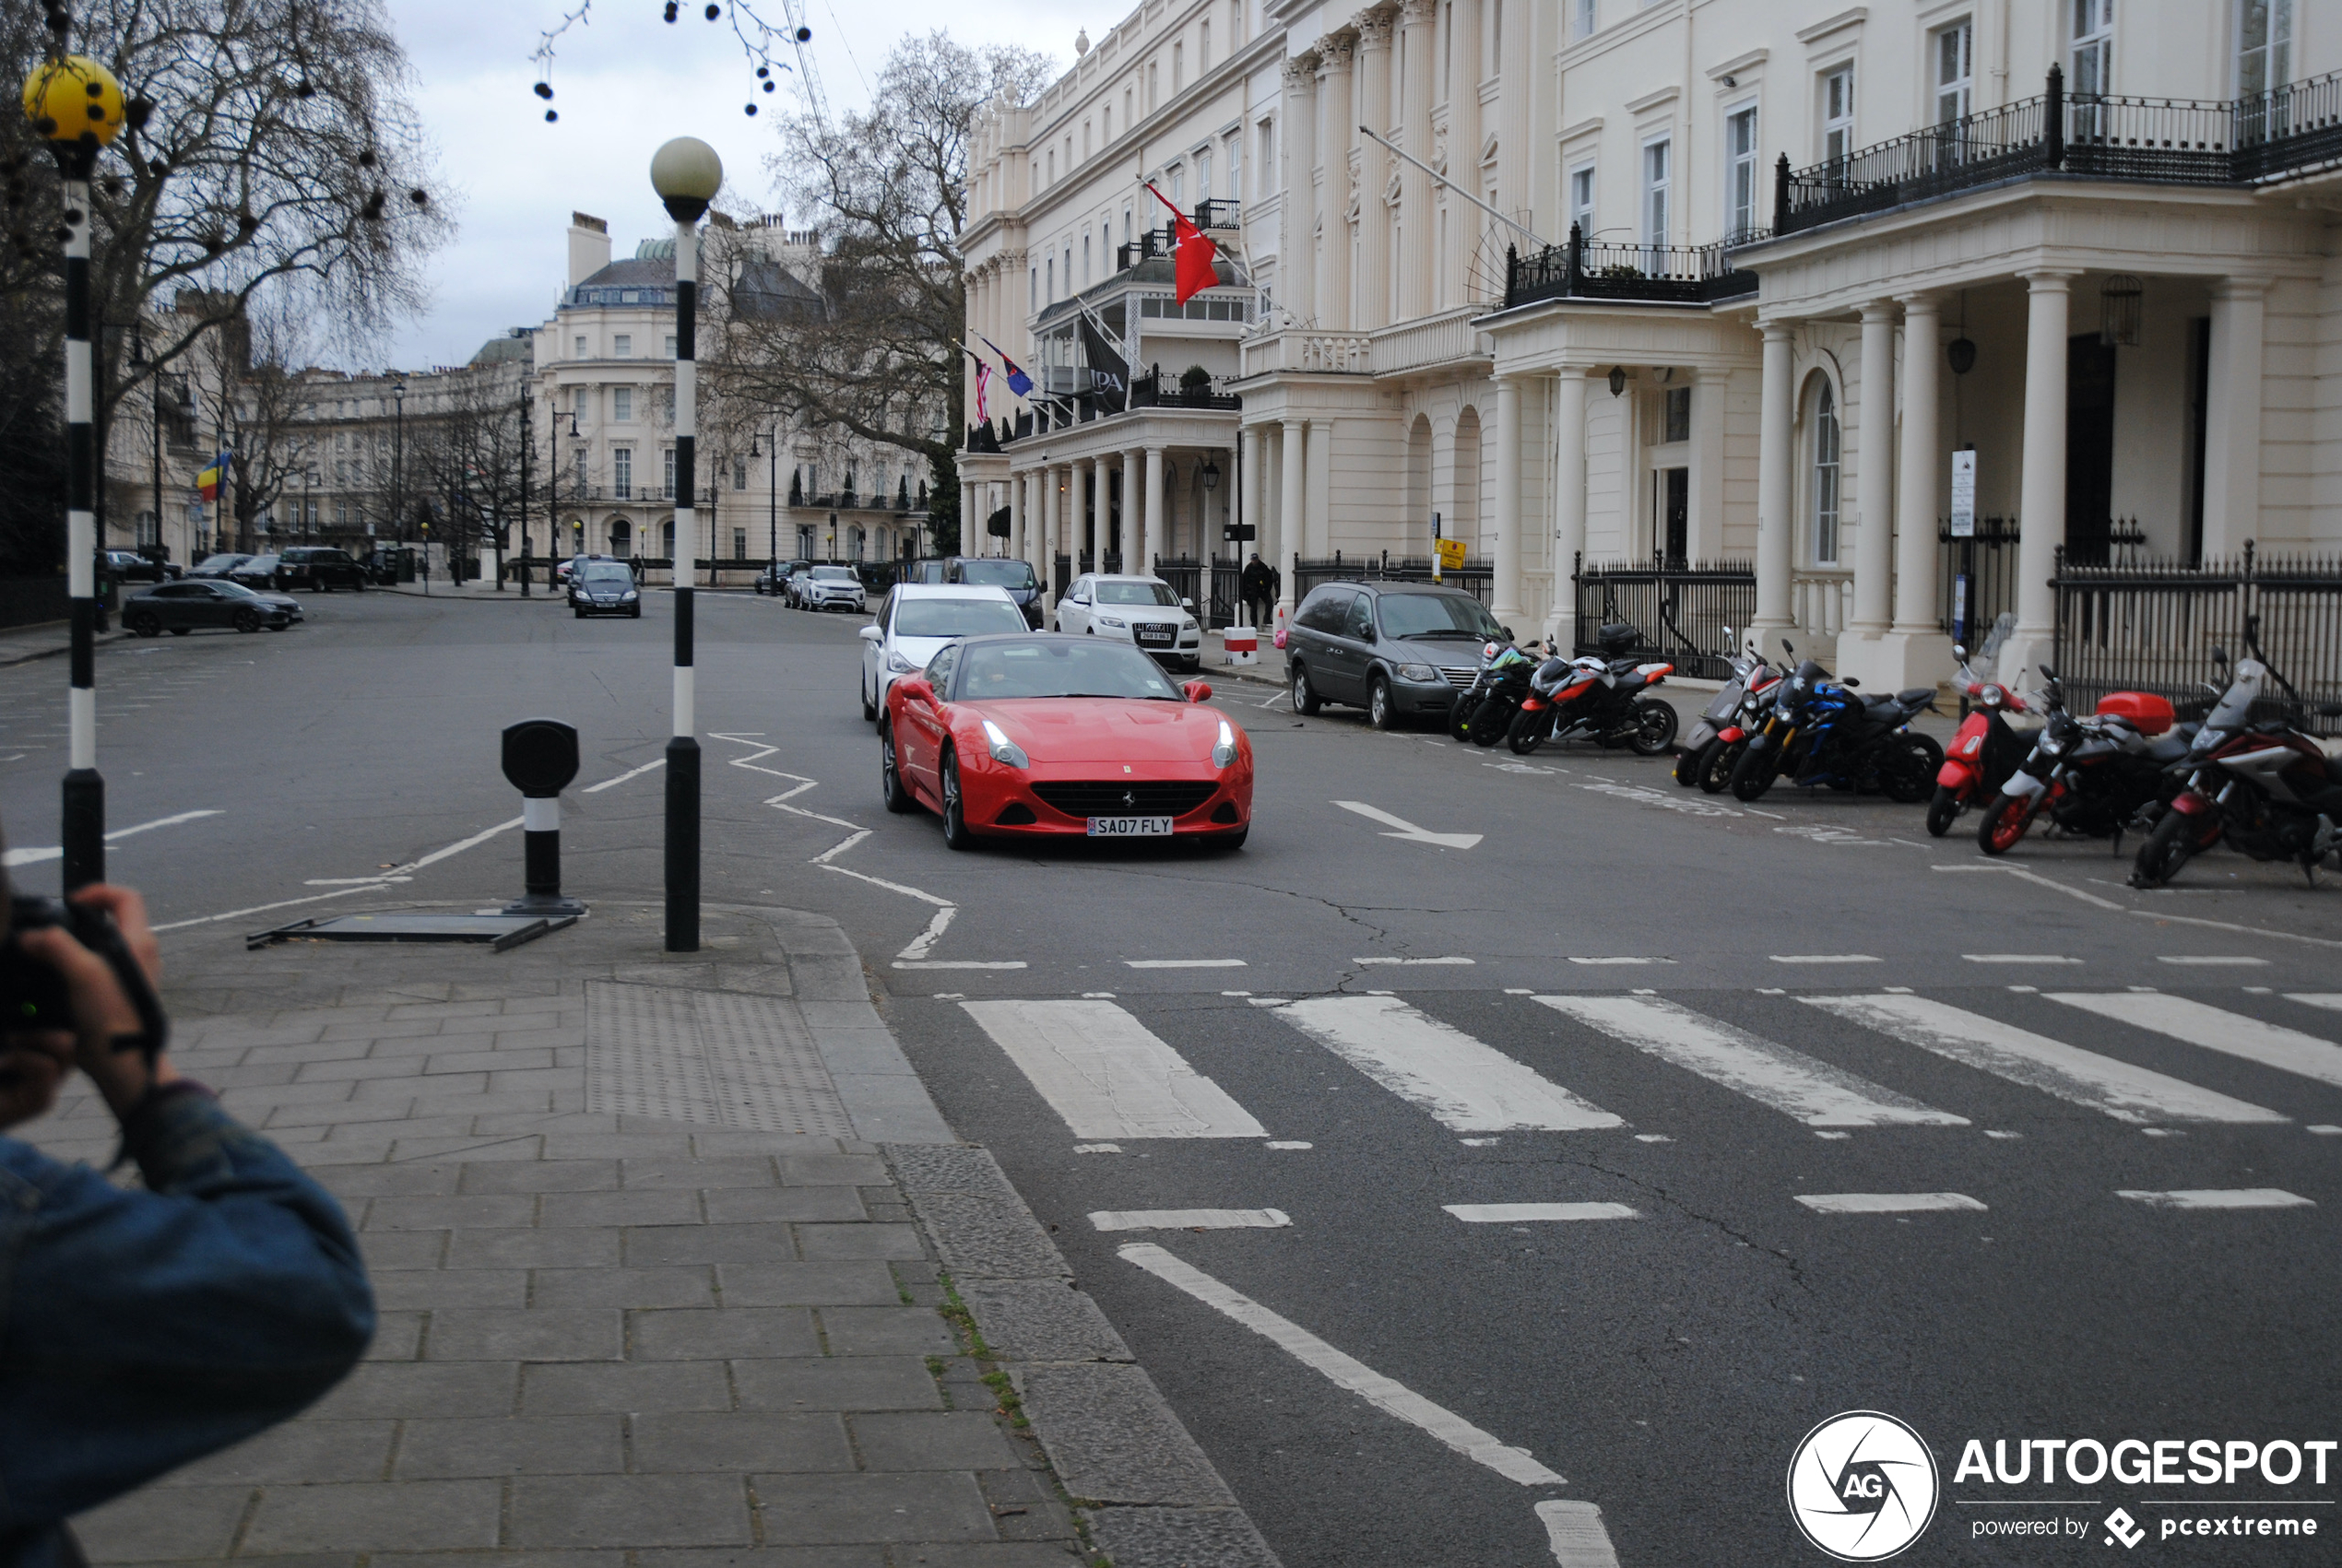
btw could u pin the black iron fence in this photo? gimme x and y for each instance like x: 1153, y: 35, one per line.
x: 1681, y: 610
x: 2262, y: 136
x: 1975, y: 577
x: 1581, y: 269
x: 1152, y: 391
x: 1479, y: 581
x: 2152, y: 626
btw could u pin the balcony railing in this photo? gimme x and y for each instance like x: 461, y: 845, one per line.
x: 1580, y: 269
x: 2171, y: 141
x: 1151, y: 391
x: 1150, y: 244
x: 1220, y: 212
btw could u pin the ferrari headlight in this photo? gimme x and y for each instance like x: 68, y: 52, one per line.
x: 1110, y: 620
x: 900, y: 665
x: 1003, y: 749
x: 1417, y: 672
x: 1223, y: 754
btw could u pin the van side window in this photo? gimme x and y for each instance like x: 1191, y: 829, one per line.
x: 1360, y: 625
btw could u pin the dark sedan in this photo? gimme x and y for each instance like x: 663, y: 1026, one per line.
x: 180, y: 608
x: 604, y: 587
x: 258, y: 572
x: 218, y: 565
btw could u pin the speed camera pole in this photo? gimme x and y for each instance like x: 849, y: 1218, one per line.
x: 687, y: 174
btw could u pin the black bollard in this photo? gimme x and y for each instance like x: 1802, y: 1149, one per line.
x: 682, y: 794
x: 541, y: 758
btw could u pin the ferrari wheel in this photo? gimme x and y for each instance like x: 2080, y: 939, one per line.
x: 898, y: 800
x: 955, y: 821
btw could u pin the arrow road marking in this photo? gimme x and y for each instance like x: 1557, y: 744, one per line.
x: 1407, y: 830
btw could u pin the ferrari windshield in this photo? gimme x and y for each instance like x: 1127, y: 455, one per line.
x: 1136, y: 593
x: 992, y: 670
x: 1437, y: 614
x: 955, y: 617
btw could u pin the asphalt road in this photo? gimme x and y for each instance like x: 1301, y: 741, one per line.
x: 1748, y: 1007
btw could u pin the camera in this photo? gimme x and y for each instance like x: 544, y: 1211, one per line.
x: 34, y: 996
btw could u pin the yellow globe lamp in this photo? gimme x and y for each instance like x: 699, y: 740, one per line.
x: 73, y: 99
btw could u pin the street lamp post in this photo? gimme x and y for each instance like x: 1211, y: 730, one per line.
x: 686, y: 173
x: 398, y: 464
x: 524, y: 495
x: 76, y: 104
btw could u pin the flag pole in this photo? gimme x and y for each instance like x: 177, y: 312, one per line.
x: 1467, y: 195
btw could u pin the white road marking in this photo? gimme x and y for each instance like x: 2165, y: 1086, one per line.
x: 1652, y: 1137
x: 1107, y: 1075
x: 1468, y: 1086
x: 1885, y: 1202
x: 915, y: 955
x: 2330, y: 1000
x: 2022, y: 875
x: 2126, y: 1093
x: 1825, y: 958
x: 1097, y: 1148
x: 1383, y: 1392
x: 1519, y: 1213
x: 1190, y: 1219
x: 1184, y: 963
x: 2166, y: 917
x: 436, y: 855
x: 636, y: 774
x: 2326, y: 1130
x: 265, y: 908
x: 1575, y: 959
x: 2017, y: 958
x: 2272, y: 1046
x: 1413, y: 960
x: 2218, y: 1198
x: 354, y: 881
x: 1577, y: 1534
x: 1407, y: 830
x: 1287, y: 1143
x: 35, y: 856
x: 841, y: 846
x: 1815, y: 1092
x: 2210, y: 959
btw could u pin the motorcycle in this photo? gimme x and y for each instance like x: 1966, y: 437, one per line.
x: 1606, y: 699
x: 2093, y: 776
x: 1982, y: 754
x: 1822, y: 731
x: 1482, y: 711
x: 2270, y: 789
x: 1715, y: 743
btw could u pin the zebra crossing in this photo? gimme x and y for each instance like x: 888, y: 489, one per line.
x: 1111, y: 1078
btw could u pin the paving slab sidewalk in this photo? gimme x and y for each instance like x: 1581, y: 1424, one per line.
x: 678, y: 1268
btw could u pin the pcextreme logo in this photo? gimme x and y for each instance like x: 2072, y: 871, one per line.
x: 1863, y: 1486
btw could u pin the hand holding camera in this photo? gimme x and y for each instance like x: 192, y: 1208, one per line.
x: 76, y: 989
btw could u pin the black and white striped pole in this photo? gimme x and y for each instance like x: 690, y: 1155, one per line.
x: 540, y: 759
x: 686, y: 173
x: 75, y: 103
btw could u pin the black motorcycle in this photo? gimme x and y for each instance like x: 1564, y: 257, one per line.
x: 1716, y: 742
x: 1823, y: 732
x: 1483, y: 711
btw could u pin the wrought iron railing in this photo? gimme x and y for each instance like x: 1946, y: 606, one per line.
x: 2263, y: 135
x: 1151, y: 244
x: 1219, y: 212
x: 1476, y: 578
x: 1152, y: 391
x: 1581, y: 269
x: 1975, y: 577
x: 1681, y: 609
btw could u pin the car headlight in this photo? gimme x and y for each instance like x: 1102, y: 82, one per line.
x: 1117, y: 624
x: 1003, y: 749
x: 1223, y: 753
x: 1187, y: 623
x: 627, y: 596
x: 900, y: 665
x: 1417, y: 672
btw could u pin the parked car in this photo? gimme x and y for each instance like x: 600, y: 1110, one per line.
x: 792, y: 589
x: 602, y: 586
x: 1143, y: 611
x: 924, y: 571
x: 774, y: 579
x: 321, y: 566
x: 257, y: 571
x: 834, y: 587
x: 1000, y: 571
x: 129, y: 566
x: 917, y: 621
x: 1399, y: 650
x: 181, y: 607
x: 219, y: 565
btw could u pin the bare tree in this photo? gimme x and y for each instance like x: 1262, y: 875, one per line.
x: 888, y: 187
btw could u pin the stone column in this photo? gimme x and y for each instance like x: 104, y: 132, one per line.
x: 1134, y: 541
x: 1154, y: 540
x: 1874, y: 479
x: 1249, y: 460
x: 1464, y: 152
x: 1706, y: 535
x: 1320, y: 487
x: 1298, y: 132
x: 1337, y: 129
x: 1101, y: 498
x: 2040, y: 504
x: 1418, y: 227
x: 1372, y: 307
x: 1569, y: 502
x: 1918, y: 651
x: 1293, y: 506
x: 1776, y: 530
x: 1020, y: 491
x: 1052, y: 510
x: 1507, y: 608
x: 2232, y: 417
x: 1077, y: 512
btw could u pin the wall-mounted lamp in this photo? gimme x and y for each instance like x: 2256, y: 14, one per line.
x: 1960, y: 354
x: 1617, y: 380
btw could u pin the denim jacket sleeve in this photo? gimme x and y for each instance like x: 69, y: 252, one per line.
x: 141, y: 1329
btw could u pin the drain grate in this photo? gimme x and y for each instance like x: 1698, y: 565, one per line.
x: 715, y: 1058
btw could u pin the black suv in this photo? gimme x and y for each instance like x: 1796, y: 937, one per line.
x: 1000, y: 571
x: 319, y: 567
x: 1398, y: 650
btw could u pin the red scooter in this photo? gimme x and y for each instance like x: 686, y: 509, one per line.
x: 1982, y: 755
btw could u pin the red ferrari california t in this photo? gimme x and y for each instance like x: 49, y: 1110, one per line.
x: 1046, y: 735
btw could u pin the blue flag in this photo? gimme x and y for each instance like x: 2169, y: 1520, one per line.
x: 1019, y: 382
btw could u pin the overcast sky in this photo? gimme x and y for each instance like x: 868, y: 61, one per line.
x: 624, y: 82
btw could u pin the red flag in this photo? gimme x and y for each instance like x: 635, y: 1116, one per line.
x: 1192, y: 268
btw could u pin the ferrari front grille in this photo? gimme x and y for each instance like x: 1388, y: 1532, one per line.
x: 1119, y: 798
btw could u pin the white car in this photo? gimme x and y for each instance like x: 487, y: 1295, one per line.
x: 1142, y: 611
x: 917, y: 621
x: 834, y: 587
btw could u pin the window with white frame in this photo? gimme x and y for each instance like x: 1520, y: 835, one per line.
x: 1203, y: 175
x: 1178, y: 185
x: 2263, y: 45
x: 671, y: 345
x: 1837, y: 113
x: 1049, y: 273
x: 1033, y: 291
x: 1582, y: 18
x: 1236, y: 164
x: 739, y: 473
x: 1740, y: 170
x: 622, y: 345
x: 666, y: 473
x: 1267, y: 163
x: 1178, y: 66
x: 581, y: 345
x: 1657, y: 173
x: 1826, y: 441
x: 2093, y: 47
x: 1203, y: 48
x: 1085, y: 258
x: 1955, y: 60
x: 622, y: 404
x: 1581, y: 199
x: 621, y: 472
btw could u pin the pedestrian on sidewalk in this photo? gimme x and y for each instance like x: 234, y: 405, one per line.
x: 142, y: 1329
x: 1259, y: 583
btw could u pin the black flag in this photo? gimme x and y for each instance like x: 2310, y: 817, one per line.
x: 1109, y: 372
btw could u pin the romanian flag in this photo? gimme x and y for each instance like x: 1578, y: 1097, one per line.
x: 1192, y: 268
x: 210, y: 481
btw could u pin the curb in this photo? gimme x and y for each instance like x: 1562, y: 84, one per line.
x: 9, y: 659
x: 1142, y: 1488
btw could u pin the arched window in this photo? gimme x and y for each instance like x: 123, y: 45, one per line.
x: 1826, y: 449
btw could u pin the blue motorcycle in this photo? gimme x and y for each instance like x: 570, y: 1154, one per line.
x: 1822, y: 733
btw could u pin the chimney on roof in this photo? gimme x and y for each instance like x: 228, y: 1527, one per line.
x: 588, y: 247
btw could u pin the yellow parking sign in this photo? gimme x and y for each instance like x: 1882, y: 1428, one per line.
x: 1451, y: 553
